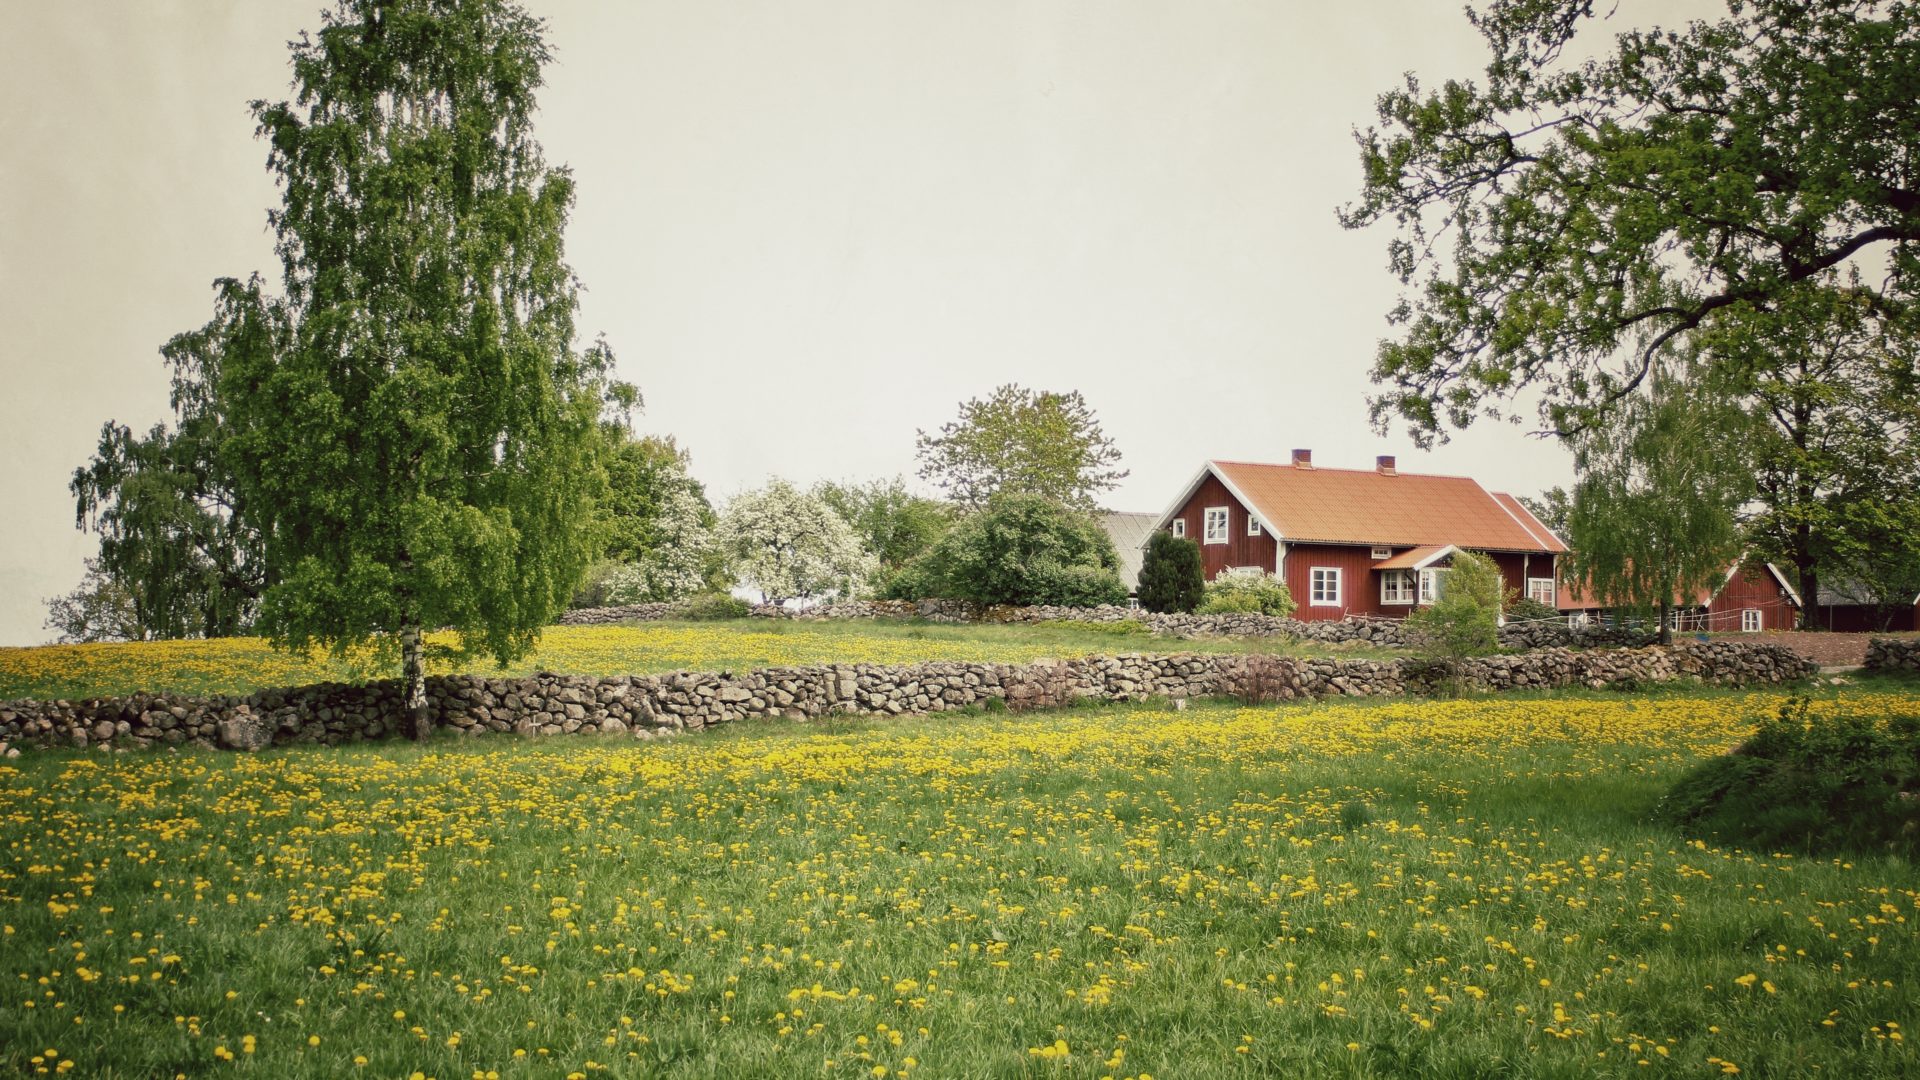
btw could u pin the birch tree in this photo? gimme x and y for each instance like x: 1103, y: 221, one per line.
x: 417, y: 436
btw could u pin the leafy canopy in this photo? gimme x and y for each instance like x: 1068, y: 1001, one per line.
x: 894, y: 524
x: 1022, y: 550
x: 1653, y: 516
x: 1021, y: 442
x: 790, y: 545
x: 179, y: 556
x: 412, y: 424
x: 1559, y: 223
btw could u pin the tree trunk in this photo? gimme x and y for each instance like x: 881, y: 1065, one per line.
x: 1809, y: 593
x: 413, y: 668
x: 1666, y: 624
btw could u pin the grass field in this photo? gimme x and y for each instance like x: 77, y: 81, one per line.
x: 1453, y: 889
x: 238, y: 665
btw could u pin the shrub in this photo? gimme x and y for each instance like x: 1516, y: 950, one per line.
x: 714, y: 605
x: 1527, y: 609
x: 1465, y: 620
x: 1843, y: 782
x: 1022, y: 550
x: 1262, y: 594
x: 1170, y: 575
x: 917, y: 579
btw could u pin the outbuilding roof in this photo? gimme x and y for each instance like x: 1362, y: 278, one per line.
x: 1129, y: 533
x: 1309, y: 504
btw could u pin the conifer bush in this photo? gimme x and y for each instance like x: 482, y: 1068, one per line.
x: 1170, y: 576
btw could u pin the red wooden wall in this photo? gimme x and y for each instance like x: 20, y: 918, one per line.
x: 1359, y: 585
x: 1240, y: 549
x: 1752, y: 587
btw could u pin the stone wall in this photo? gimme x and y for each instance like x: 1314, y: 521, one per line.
x: 1385, y: 633
x: 1893, y: 654
x: 644, y: 706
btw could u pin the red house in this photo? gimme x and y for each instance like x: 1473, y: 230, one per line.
x: 1357, y: 541
x: 1754, y: 596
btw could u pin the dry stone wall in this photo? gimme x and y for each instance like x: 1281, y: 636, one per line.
x: 648, y: 706
x: 1384, y: 633
x: 1893, y: 654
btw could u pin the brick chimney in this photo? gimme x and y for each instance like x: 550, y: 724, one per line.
x: 1303, y: 459
x: 1384, y: 465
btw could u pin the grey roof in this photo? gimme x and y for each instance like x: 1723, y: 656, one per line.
x: 1130, y: 533
x: 1844, y: 592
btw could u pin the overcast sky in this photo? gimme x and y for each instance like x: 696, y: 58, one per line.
x: 807, y: 229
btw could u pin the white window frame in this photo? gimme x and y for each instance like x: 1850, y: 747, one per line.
x: 1535, y: 594
x: 1382, y: 553
x: 1752, y: 620
x: 1432, y: 583
x: 1207, y: 531
x: 1180, y: 528
x: 1253, y: 526
x: 1404, y: 595
x: 1318, y: 578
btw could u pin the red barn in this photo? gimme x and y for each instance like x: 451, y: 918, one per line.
x: 1754, y: 596
x: 1357, y: 541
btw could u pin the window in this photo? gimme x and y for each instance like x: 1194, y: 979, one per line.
x: 1397, y: 586
x: 1541, y: 589
x: 1180, y: 527
x: 1433, y: 582
x: 1253, y: 527
x: 1383, y: 553
x: 1216, y: 525
x: 1326, y: 586
x: 1751, y: 621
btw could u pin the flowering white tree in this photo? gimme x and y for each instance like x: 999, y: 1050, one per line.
x: 674, y: 566
x: 791, y: 545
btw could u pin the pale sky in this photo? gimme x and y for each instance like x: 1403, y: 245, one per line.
x: 806, y: 228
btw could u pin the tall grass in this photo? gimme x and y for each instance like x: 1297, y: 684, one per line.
x: 1454, y: 889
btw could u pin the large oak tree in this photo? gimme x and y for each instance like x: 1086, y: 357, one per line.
x: 1560, y: 222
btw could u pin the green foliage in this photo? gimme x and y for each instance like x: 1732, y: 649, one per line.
x: 644, y: 475
x: 1263, y: 594
x: 1021, y: 442
x: 1848, y: 782
x: 1527, y: 609
x: 1835, y: 387
x: 1653, y: 514
x: 1465, y: 620
x: 1171, y: 578
x: 412, y: 425
x: 1552, y: 507
x: 99, y: 610
x: 1023, y: 550
x: 175, y: 543
x: 714, y: 606
x: 895, y: 525
x: 1562, y: 212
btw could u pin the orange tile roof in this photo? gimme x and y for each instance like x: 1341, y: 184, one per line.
x: 1364, y: 506
x: 1412, y: 557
